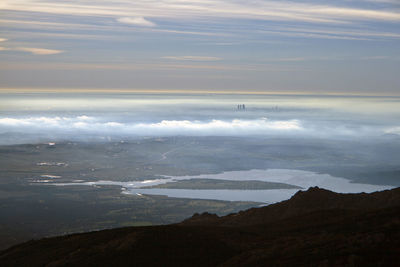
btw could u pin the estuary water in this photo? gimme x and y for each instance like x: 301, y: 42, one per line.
x: 303, y: 179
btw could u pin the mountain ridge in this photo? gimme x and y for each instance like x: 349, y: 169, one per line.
x: 316, y: 227
x: 303, y: 202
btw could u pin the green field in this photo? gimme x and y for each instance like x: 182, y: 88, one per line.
x: 207, y: 184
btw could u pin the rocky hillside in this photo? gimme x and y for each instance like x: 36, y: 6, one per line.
x: 314, y: 228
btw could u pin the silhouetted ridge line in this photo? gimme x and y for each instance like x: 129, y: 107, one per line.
x: 316, y: 227
x: 311, y: 200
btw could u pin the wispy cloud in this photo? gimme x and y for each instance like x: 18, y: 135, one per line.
x: 140, y: 21
x: 36, y: 28
x: 374, y: 58
x: 178, y: 10
x: 384, y: 1
x: 38, y: 51
x: 141, y: 13
x: 148, y: 66
x: 33, y: 50
x: 183, y: 37
x: 192, y: 58
x: 289, y: 59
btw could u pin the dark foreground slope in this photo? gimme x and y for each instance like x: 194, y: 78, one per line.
x: 316, y: 227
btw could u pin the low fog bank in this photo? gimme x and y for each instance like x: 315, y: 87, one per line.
x: 14, y: 130
x: 94, y: 117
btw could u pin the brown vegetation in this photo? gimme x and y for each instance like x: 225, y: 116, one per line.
x: 314, y: 228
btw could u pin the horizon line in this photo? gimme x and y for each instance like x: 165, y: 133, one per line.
x: 182, y: 91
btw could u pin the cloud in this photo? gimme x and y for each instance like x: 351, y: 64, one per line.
x: 394, y: 130
x: 352, y: 13
x: 374, y: 58
x: 33, y: 50
x: 3, y: 39
x: 192, y: 58
x: 333, y: 33
x: 288, y: 59
x: 329, y: 33
x: 113, y: 30
x: 167, y: 66
x: 137, y: 21
x: 38, y: 51
x: 194, y: 9
x: 384, y: 1
x: 220, y: 125
x: 85, y: 124
x: 172, y: 13
x: 79, y: 127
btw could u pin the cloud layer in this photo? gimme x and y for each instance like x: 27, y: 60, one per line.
x: 248, y: 45
x: 80, y: 126
x: 394, y: 130
x: 33, y: 50
x: 263, y: 10
x: 140, y: 21
x: 85, y: 124
x: 192, y: 58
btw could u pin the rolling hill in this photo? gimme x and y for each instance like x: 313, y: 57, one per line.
x: 316, y: 227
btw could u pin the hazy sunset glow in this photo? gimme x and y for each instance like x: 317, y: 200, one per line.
x: 308, y: 46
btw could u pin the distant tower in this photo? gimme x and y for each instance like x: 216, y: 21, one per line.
x: 241, y: 107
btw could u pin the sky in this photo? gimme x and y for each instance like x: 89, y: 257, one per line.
x: 308, y: 46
